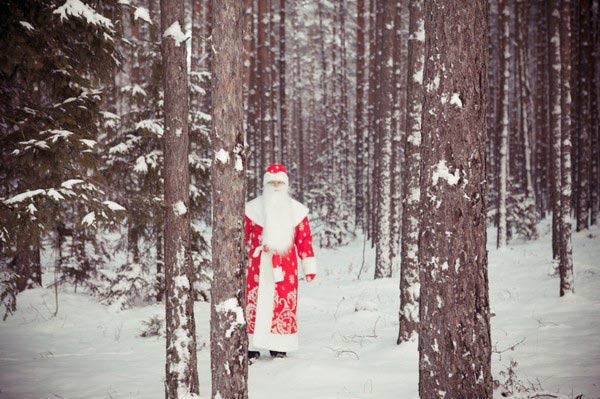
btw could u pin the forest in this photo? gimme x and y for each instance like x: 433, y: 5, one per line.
x: 447, y: 152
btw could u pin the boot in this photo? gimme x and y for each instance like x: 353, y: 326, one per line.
x: 253, y: 356
x: 277, y: 354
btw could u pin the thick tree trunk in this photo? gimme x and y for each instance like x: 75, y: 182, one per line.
x: 383, y: 266
x: 181, y: 366
x: 411, y: 192
x: 454, y: 333
x: 566, y: 249
x: 228, y: 333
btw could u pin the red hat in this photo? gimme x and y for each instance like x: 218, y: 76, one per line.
x: 276, y: 172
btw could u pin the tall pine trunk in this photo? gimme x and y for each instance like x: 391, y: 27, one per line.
x: 228, y: 333
x: 411, y: 192
x: 454, y: 326
x: 383, y: 265
x: 181, y: 367
x: 503, y: 12
x: 566, y: 249
x: 555, y: 118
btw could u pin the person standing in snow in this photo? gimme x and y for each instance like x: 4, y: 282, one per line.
x: 276, y: 229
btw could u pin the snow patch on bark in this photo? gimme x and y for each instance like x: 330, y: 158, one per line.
x: 174, y: 32
x: 179, y: 208
x: 222, y: 156
x: 232, y: 305
x: 441, y: 171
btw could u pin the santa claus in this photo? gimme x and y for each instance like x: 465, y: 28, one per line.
x: 276, y: 230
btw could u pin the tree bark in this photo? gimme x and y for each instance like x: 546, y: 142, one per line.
x: 566, y: 249
x: 454, y: 332
x: 584, y: 158
x: 555, y: 119
x: 229, y: 339
x: 411, y: 192
x: 360, y: 128
x: 181, y: 366
x: 503, y: 13
x: 383, y: 266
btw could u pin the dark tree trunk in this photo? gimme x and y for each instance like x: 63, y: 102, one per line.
x: 264, y: 85
x: 503, y: 25
x: 584, y: 158
x: 454, y: 333
x: 565, y: 250
x: 283, y: 130
x: 383, y: 266
x: 411, y: 209
x: 228, y: 333
x: 181, y: 365
x: 360, y: 128
x: 555, y: 119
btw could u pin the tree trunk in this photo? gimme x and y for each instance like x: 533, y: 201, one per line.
x: 282, y: 99
x: 503, y: 142
x: 181, y: 366
x: 584, y: 158
x: 360, y: 128
x: 454, y: 333
x: 566, y: 249
x: 411, y: 192
x: 229, y: 339
x: 383, y: 266
x: 555, y: 119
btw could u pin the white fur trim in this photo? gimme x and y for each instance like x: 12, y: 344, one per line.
x: 255, y: 211
x: 262, y: 337
x: 279, y: 176
x: 309, y: 265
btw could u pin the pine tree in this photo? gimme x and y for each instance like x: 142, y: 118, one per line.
x: 454, y: 326
x: 181, y: 365
x: 565, y: 251
x: 411, y: 193
x: 229, y: 340
x: 61, y: 53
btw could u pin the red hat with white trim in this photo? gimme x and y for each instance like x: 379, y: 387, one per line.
x: 276, y: 172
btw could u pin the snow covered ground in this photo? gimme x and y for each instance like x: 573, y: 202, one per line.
x: 88, y: 351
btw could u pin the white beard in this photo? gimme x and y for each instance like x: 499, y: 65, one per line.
x: 278, y: 231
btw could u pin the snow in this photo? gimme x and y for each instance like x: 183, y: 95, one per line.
x: 89, y: 219
x: 90, y: 351
x: 89, y: 143
x: 179, y: 208
x: 441, y: 171
x: 143, y: 14
x: 23, y: 196
x: 76, y: 8
x: 68, y: 184
x: 232, y: 305
x: 140, y: 165
x: 174, y: 32
x: 113, y: 206
x: 222, y: 156
x: 26, y: 25
x: 150, y: 125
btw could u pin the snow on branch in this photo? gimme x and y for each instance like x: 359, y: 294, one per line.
x: 143, y: 14
x: 78, y: 9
